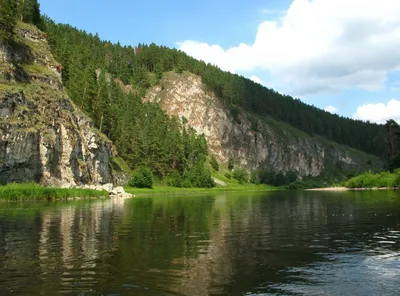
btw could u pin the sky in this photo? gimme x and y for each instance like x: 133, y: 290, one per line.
x: 339, y: 55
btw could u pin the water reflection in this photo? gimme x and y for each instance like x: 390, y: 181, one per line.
x: 232, y: 244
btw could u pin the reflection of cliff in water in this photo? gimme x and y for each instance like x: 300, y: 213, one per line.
x: 64, y: 243
x: 255, y: 241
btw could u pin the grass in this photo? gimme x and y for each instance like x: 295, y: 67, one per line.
x: 378, y: 180
x: 33, y: 191
x: 167, y: 190
x: 35, y: 69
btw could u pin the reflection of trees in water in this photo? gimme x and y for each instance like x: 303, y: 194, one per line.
x: 210, y: 270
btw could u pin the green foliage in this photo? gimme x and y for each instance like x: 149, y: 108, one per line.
x: 8, y: 12
x: 214, y: 163
x: 142, y: 178
x: 392, y: 141
x: 119, y: 165
x: 370, y: 180
x: 228, y: 176
x: 241, y: 175
x: 291, y: 177
x: 29, y: 12
x: 396, y: 182
x: 231, y: 163
x: 255, y: 178
x: 394, y: 162
x: 33, y: 191
x: 235, y: 111
x: 198, y: 176
x: 174, y: 179
x: 267, y: 176
x: 276, y: 179
x: 305, y: 184
x: 186, y: 183
x: 254, y: 122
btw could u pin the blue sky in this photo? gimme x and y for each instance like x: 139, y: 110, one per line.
x: 337, y: 54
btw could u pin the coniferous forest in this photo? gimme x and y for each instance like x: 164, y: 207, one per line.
x: 81, y: 53
x: 108, y: 80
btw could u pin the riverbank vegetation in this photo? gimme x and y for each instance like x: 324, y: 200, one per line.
x: 33, y: 191
x: 168, y: 190
x: 379, y: 180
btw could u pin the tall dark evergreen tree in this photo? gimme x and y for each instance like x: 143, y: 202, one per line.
x: 8, y: 11
x: 393, y: 144
x: 29, y: 11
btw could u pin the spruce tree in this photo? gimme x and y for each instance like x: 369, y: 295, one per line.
x: 8, y: 9
x: 29, y: 11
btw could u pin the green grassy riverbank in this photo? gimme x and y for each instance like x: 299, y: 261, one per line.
x: 33, y: 191
x: 36, y: 192
x: 167, y: 190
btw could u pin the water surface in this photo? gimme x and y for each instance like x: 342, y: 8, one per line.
x: 277, y: 243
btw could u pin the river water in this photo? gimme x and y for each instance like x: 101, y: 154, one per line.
x: 275, y: 243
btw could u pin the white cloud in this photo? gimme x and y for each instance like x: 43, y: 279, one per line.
x: 379, y: 112
x: 331, y: 109
x: 256, y: 79
x: 318, y: 46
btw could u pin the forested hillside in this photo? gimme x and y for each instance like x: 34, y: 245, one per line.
x: 80, y: 53
x: 144, y: 134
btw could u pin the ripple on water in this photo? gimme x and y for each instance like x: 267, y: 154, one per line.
x: 278, y: 244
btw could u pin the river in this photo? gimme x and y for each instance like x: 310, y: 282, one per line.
x: 272, y: 243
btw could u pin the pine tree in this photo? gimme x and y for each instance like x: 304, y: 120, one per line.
x: 29, y: 11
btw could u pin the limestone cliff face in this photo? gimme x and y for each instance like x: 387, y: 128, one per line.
x: 44, y: 137
x: 252, y: 142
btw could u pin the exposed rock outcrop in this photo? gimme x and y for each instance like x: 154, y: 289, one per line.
x: 253, y: 142
x: 44, y: 137
x: 115, y: 192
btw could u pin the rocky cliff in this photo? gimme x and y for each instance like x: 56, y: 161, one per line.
x: 253, y: 141
x: 44, y: 137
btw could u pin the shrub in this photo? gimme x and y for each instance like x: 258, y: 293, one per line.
x: 199, y: 176
x: 174, y: 179
x: 291, y: 177
x: 267, y: 177
x: 214, y: 163
x: 396, y: 181
x: 230, y: 163
x: 370, y: 180
x: 303, y: 184
x: 280, y: 179
x: 186, y: 183
x: 228, y: 176
x: 254, y: 177
x: 241, y: 176
x: 142, y: 178
x: 235, y: 112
